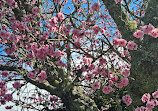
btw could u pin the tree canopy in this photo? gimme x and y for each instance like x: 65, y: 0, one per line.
x: 79, y: 55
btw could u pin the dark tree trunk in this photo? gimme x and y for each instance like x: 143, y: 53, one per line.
x: 144, y: 64
x: 75, y: 100
x: 145, y: 61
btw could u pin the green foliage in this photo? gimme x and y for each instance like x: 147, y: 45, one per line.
x: 132, y: 25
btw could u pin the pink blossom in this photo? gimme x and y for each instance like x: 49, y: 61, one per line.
x: 96, y: 85
x: 96, y: 7
x: 42, y: 76
x: 43, y: 38
x: 88, y: 76
x: 154, y: 33
x: 102, y: 31
x: 35, y: 10
x: 122, y: 42
x: 126, y: 53
x: 117, y: 1
x: 119, y: 85
x: 51, y: 98
x: 33, y: 46
x: 2, y: 84
x: 145, y: 97
x: 60, y: 16
x: 60, y: 63
x: 14, y: 5
x: 97, y: 71
x: 138, y: 34
x: 87, y: 60
x: 155, y: 94
x: 29, y: 56
x: 110, y: 75
x: 115, y: 78
x: 4, y: 74
x: 3, y: 101
x: 8, y: 97
x: 1, y: 14
x: 8, y: 107
x: 124, y: 81
x: 96, y: 29
x: 135, y: 46
x: 107, y: 89
x: 111, y: 83
x: 104, y: 73
x: 9, y: 2
x: 148, y: 28
x: 126, y: 72
x: 102, y: 61
x: 75, y: 32
x: 2, y: 34
x: 127, y: 99
x: 51, y: 51
x: 142, y: 108
x: 91, y: 66
x: 131, y: 45
x: 16, y: 84
x: 115, y: 41
x: 58, y: 1
x: 61, y: 53
x: 53, y: 21
x: 31, y: 75
x: 75, y: 1
x: 154, y: 101
x: 65, y: 30
x: 150, y: 104
x: 3, y: 91
x: 33, y: 1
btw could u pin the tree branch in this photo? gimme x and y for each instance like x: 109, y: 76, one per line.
x: 9, y: 68
x: 120, y: 18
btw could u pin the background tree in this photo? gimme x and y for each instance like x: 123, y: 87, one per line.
x: 79, y: 50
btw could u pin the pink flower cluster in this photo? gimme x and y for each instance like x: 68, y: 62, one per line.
x: 145, y: 97
x: 127, y: 99
x: 126, y: 72
x: 31, y: 75
x: 53, y: 21
x: 96, y: 85
x: 147, y: 29
x: 122, y: 43
x: 46, y: 50
x: 6, y: 98
x: 150, y: 103
x: 35, y: 10
x: 122, y: 83
x: 66, y: 29
x: 117, y: 1
x: 16, y: 84
x: 96, y: 7
x: 3, y: 88
x: 107, y: 89
x: 9, y: 50
x: 4, y: 74
x: 96, y: 29
x: 42, y: 76
x: 88, y: 76
x: 155, y: 94
x: 60, y: 16
x: 12, y: 3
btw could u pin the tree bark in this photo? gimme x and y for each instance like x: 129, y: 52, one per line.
x: 76, y: 100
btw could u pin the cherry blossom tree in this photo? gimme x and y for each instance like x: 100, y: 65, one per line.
x: 88, y: 55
